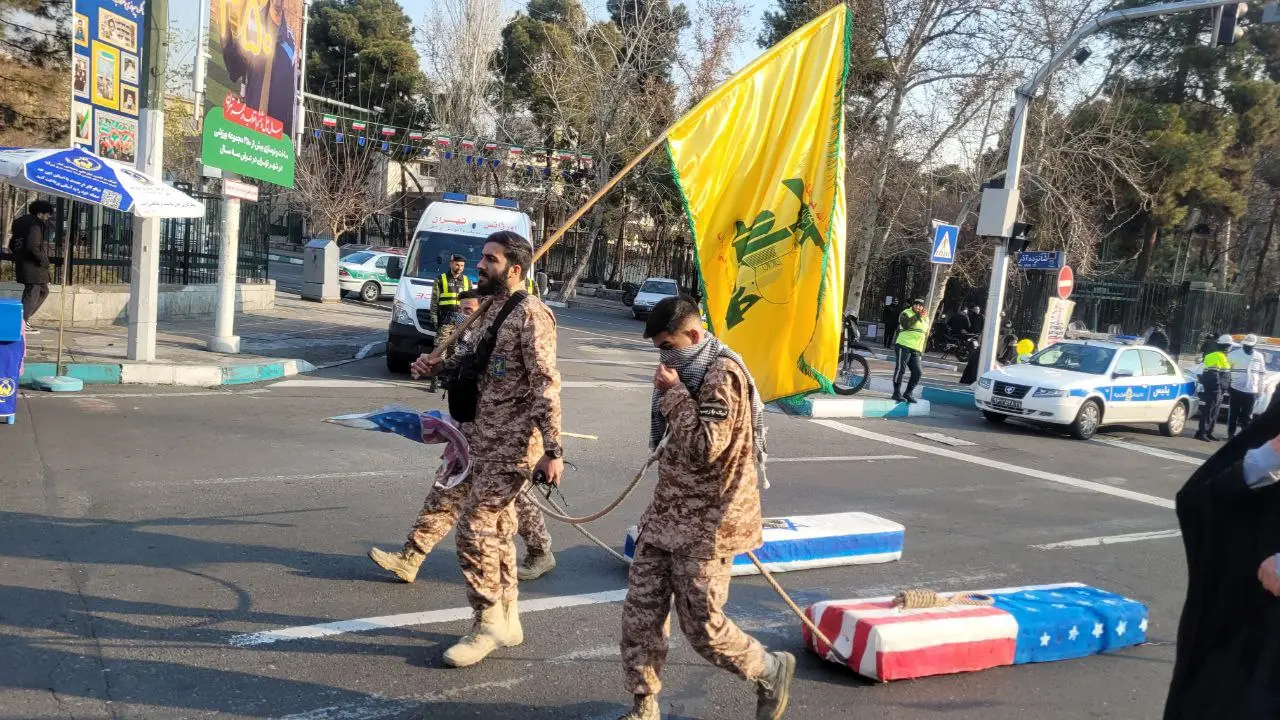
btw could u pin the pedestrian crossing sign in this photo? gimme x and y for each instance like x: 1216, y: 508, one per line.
x: 944, y: 244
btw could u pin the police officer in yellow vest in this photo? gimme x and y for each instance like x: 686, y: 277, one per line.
x: 448, y: 285
x: 1216, y: 375
x: 913, y: 327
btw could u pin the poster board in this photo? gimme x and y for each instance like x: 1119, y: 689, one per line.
x: 106, y: 73
x: 251, y: 85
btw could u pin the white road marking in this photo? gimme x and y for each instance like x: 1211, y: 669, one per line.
x: 615, y: 384
x: 580, y: 436
x: 331, y: 383
x: 96, y: 405
x: 945, y: 439
x: 631, y: 340
x: 1109, y: 540
x: 595, y: 361
x: 1146, y: 450
x: 841, y: 458
x: 429, y: 617
x: 370, y: 348
x: 999, y: 465
x: 372, y: 707
x: 202, y: 393
x: 399, y: 472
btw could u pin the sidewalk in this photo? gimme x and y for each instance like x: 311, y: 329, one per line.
x: 295, y: 337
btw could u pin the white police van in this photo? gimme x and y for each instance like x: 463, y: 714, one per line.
x: 457, y: 224
x: 1085, y: 384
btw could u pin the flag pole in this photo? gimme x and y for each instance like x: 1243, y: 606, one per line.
x: 559, y: 233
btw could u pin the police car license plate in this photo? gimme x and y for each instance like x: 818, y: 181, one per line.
x: 1005, y: 404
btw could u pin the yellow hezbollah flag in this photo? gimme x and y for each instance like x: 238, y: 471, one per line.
x: 760, y: 162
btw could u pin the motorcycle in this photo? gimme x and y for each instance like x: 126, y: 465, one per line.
x: 960, y: 346
x: 852, y: 371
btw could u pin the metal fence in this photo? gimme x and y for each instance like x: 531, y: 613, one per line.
x: 673, y: 259
x: 98, y: 244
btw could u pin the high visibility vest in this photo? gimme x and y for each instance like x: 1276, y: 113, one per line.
x: 449, y: 296
x: 912, y: 339
x: 1216, y: 360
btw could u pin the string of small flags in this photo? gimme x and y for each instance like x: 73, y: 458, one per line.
x: 473, y: 151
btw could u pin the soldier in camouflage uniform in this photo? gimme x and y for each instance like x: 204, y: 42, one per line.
x: 443, y: 506
x: 705, y: 510
x: 516, y: 433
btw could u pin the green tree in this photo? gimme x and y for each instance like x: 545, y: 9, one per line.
x: 361, y: 52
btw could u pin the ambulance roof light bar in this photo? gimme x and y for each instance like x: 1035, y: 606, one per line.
x: 481, y: 200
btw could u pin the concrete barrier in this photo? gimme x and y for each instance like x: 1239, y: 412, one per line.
x: 829, y: 406
x: 96, y: 305
x: 169, y: 373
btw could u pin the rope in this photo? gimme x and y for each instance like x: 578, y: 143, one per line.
x: 916, y: 599
x: 635, y: 481
x: 813, y: 628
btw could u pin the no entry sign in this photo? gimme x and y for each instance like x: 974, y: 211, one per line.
x: 1066, y: 281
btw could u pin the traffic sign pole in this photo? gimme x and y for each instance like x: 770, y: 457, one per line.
x: 946, y: 239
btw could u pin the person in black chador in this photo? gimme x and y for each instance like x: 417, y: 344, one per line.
x: 1228, y: 657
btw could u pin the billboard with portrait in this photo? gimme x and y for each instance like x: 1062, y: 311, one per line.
x: 105, y: 60
x: 251, y: 84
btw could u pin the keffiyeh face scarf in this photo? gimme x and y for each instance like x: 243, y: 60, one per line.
x: 691, y: 364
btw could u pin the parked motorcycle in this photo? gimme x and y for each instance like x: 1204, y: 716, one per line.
x: 852, y: 371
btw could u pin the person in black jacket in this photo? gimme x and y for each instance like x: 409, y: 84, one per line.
x: 1228, y: 648
x: 889, y: 320
x: 30, y: 246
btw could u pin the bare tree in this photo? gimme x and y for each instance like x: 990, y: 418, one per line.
x: 608, y: 95
x: 338, y: 186
x: 927, y: 45
x: 715, y: 37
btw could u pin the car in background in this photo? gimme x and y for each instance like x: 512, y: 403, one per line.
x: 1085, y: 384
x: 653, y: 290
x: 364, y: 274
x: 1271, y: 353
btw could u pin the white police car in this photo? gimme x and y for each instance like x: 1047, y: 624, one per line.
x: 1085, y: 384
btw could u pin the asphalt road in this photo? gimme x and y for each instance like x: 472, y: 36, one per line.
x: 162, y: 548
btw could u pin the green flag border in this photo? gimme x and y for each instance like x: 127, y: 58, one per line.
x: 837, y: 144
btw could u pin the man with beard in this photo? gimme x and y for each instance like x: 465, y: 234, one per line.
x: 705, y: 510
x: 1228, y: 649
x: 443, y: 506
x: 518, y: 398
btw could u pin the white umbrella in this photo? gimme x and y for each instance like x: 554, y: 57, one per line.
x: 81, y: 175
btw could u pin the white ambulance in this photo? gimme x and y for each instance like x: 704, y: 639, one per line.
x: 455, y: 225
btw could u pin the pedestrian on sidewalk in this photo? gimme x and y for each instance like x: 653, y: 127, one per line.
x: 707, y: 420
x: 888, y: 321
x: 1248, y: 377
x: 443, y: 506
x: 977, y: 321
x: 913, y: 325
x: 1216, y: 374
x: 29, y: 243
x: 515, y: 435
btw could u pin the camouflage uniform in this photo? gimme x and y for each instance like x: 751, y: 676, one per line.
x: 705, y: 510
x: 518, y: 415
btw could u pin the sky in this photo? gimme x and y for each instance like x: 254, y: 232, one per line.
x: 186, y: 15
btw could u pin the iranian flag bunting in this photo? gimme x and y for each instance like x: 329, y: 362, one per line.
x: 358, y: 125
x: 388, y: 131
x: 329, y: 121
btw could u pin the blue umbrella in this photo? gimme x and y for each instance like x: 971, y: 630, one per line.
x: 81, y: 175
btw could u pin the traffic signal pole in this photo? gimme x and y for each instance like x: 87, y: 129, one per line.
x: 997, y: 220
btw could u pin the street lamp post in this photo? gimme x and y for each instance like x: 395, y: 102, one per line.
x: 1000, y: 205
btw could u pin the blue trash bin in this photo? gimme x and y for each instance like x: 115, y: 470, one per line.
x: 11, y: 349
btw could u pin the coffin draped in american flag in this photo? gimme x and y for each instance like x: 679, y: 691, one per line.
x: 1035, y: 623
x: 430, y: 428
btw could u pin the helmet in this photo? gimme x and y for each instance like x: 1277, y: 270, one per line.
x: 1250, y: 340
x: 1225, y: 340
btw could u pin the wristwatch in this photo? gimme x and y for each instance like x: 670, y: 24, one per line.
x: 555, y: 453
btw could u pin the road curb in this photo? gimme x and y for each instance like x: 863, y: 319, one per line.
x: 826, y: 406
x: 935, y: 364
x: 169, y: 373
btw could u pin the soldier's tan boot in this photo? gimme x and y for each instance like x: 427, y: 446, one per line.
x: 404, y: 564
x: 645, y: 707
x: 496, y: 627
x: 773, y: 689
x: 536, y: 565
